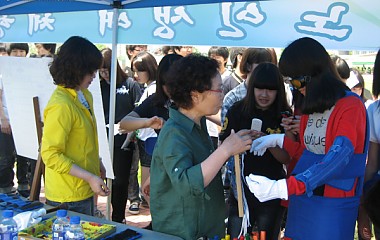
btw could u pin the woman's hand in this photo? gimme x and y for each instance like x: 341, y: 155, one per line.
x: 98, y: 186
x: 291, y: 124
x: 155, y: 122
x: 257, y: 134
x: 364, y: 226
x: 238, y: 142
x: 146, y: 188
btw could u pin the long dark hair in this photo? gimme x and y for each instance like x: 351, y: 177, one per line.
x: 266, y: 76
x: 307, y: 57
x: 160, y: 97
x: 121, y: 76
x: 376, y: 76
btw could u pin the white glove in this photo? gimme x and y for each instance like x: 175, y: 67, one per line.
x: 266, y: 189
x: 260, y: 145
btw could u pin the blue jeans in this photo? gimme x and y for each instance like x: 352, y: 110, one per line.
x: 133, y: 186
x: 84, y: 206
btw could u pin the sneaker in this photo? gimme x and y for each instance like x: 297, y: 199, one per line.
x: 134, y: 208
x: 8, y: 190
x: 98, y: 213
x: 24, y: 193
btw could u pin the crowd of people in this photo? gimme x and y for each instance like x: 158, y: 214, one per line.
x: 312, y: 167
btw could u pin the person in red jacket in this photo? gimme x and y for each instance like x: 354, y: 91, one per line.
x: 325, y: 186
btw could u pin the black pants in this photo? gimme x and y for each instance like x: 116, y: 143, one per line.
x: 7, y: 160
x: 122, y: 161
x: 263, y: 216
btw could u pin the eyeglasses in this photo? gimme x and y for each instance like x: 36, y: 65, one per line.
x: 299, y: 82
x: 103, y: 71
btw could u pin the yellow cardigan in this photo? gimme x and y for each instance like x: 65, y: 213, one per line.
x: 69, y: 137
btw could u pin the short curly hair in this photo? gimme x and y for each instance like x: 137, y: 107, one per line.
x: 191, y: 73
x: 76, y: 58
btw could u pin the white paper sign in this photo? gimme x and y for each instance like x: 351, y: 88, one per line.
x: 25, y: 78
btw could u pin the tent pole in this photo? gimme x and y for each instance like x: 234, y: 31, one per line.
x: 112, y: 99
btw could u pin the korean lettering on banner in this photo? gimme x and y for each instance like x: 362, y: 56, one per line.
x: 167, y: 17
x: 326, y: 24
x: 39, y: 22
x: 251, y: 14
x: 105, y: 21
x: 5, y: 22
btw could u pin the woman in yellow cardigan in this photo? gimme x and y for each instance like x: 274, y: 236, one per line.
x: 70, y: 148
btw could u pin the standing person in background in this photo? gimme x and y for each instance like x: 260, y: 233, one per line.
x: 356, y: 83
x: 7, y: 147
x: 251, y: 58
x: 133, y: 187
x: 265, y: 100
x: 220, y: 54
x: 183, y: 50
x: 22, y: 166
x: 369, y: 209
x: 326, y: 183
x: 4, y: 49
x: 132, y: 51
x: 69, y: 149
x: 144, y: 66
x: 186, y: 185
x: 154, y: 111
x: 46, y: 49
x: 128, y: 94
x: 236, y: 76
x: 167, y: 50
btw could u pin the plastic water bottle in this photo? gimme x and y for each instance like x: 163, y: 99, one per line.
x: 60, y: 225
x: 8, y: 226
x: 75, y: 231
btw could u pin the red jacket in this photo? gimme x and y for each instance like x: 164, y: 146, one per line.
x: 347, y: 119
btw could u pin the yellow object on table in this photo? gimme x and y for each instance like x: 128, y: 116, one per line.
x: 43, y: 230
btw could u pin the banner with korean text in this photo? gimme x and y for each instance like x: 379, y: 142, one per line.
x: 343, y: 25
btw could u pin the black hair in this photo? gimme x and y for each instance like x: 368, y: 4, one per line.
x: 191, y: 73
x: 76, y: 58
x: 376, y: 76
x: 218, y: 51
x: 166, y: 49
x: 160, y: 97
x: 307, y: 57
x: 121, y: 76
x: 254, y: 55
x: 341, y: 66
x: 50, y: 47
x: 21, y: 46
x: 145, y: 62
x: 361, y: 83
x: 234, y: 53
x: 266, y: 76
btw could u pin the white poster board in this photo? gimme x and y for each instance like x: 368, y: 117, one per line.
x: 25, y: 78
